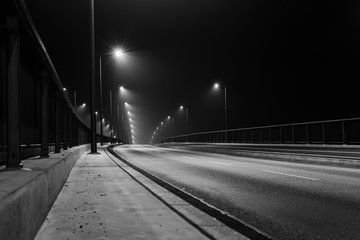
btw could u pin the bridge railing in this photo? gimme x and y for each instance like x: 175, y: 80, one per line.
x: 37, y: 116
x: 340, y: 131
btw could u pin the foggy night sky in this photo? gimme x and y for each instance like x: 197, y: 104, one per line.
x: 282, y: 61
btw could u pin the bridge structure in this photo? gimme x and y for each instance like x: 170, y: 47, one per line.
x: 42, y: 134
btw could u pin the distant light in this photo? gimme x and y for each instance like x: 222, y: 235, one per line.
x: 84, y: 104
x: 126, y: 103
x: 118, y: 53
x: 64, y: 89
x: 168, y: 117
x: 162, y: 123
x: 96, y: 113
x: 121, y: 88
x: 216, y: 85
x: 128, y: 112
x: 103, y: 119
x: 181, y: 107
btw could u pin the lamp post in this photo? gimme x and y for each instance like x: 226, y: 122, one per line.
x: 92, y: 93
x: 117, y: 53
x: 187, y: 121
x: 216, y: 86
x: 110, y: 122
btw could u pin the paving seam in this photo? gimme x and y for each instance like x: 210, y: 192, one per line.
x: 221, y: 216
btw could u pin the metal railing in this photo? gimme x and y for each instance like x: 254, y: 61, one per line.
x: 36, y: 114
x: 340, y: 131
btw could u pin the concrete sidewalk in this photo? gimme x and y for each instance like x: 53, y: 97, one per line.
x: 101, y: 201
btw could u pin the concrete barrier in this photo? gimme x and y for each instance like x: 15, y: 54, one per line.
x: 27, y: 195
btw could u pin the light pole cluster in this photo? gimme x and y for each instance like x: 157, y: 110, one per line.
x: 158, y: 134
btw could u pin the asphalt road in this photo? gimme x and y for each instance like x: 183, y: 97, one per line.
x: 285, y: 200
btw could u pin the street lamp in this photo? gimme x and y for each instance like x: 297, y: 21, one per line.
x: 217, y: 86
x: 187, y: 121
x: 117, y: 53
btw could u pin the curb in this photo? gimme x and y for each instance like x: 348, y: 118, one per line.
x: 288, y: 157
x: 27, y: 195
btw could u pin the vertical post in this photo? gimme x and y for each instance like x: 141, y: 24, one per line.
x: 101, y: 111
x: 57, y: 123
x: 44, y: 152
x: 65, y: 129
x: 118, y: 118
x: 187, y: 124
x: 122, y: 128
x: 111, y: 120
x: 70, y: 130
x: 92, y: 103
x: 13, y: 56
x: 226, y: 138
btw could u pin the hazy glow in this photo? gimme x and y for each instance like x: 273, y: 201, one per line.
x: 216, y: 85
x: 96, y: 113
x: 168, y: 117
x: 64, y: 89
x: 121, y: 88
x: 84, y: 104
x: 119, y: 53
x: 181, y: 107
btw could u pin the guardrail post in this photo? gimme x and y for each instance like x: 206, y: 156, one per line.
x: 57, y: 123
x: 65, y: 129
x: 13, y: 57
x: 70, y: 144
x: 44, y: 152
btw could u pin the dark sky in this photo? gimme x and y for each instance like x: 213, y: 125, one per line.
x: 282, y: 61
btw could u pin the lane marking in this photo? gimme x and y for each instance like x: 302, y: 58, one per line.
x: 220, y: 163
x: 290, y: 175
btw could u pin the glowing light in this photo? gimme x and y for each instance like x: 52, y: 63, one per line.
x: 181, y: 107
x: 121, y: 88
x: 119, y: 53
x: 216, y: 85
x: 168, y: 117
x: 64, y: 89
x: 96, y: 113
x: 84, y: 104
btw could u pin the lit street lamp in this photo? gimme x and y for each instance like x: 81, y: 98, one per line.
x: 217, y: 86
x: 187, y: 121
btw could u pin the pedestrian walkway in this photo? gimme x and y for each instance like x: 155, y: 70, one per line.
x: 101, y: 201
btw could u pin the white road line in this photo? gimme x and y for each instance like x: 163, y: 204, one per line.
x: 220, y: 163
x: 290, y: 175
